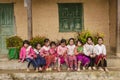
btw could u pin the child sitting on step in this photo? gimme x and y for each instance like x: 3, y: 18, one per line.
x: 45, y: 52
x: 27, y: 54
x: 83, y: 61
x: 53, y: 53
x: 62, y: 54
x: 100, y: 51
x: 39, y: 59
x: 72, y: 60
x: 88, y: 51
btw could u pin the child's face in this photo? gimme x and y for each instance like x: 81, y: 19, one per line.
x: 79, y: 44
x: 53, y: 46
x: 38, y: 46
x: 63, y: 44
x: 47, y: 43
x: 89, y: 41
x: 100, y: 41
x: 25, y: 45
x: 71, y: 42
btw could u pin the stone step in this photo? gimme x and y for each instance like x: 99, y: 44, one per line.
x: 14, y: 64
x: 5, y: 63
x: 88, y: 75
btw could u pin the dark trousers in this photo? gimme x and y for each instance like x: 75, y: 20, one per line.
x: 92, y: 61
x: 40, y: 61
x: 102, y: 63
x: 31, y: 61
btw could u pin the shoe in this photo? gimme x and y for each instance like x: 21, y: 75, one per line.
x: 75, y: 69
x: 71, y: 69
x: 101, y: 69
x: 68, y: 69
x: 106, y: 70
x: 78, y: 69
x: 59, y: 70
x: 84, y: 68
x: 36, y: 70
x: 50, y: 69
x: 28, y: 70
x: 47, y: 69
x: 40, y: 69
x: 94, y: 68
x: 89, y: 68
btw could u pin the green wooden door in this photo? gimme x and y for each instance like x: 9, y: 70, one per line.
x: 6, y: 24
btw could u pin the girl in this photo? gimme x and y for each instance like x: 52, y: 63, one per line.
x: 27, y: 53
x: 100, y: 51
x: 71, y: 56
x: 40, y: 60
x: 62, y: 54
x: 44, y: 52
x: 88, y: 51
x: 81, y: 58
x: 53, y: 53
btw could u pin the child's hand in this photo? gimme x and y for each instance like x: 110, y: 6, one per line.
x: 19, y: 60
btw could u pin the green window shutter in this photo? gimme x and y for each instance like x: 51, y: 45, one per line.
x: 70, y: 17
x: 6, y: 14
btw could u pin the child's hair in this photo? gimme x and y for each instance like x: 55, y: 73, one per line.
x: 79, y: 41
x: 46, y: 40
x: 52, y: 43
x: 63, y: 41
x: 99, y: 38
x: 71, y: 39
x: 26, y: 42
x: 37, y: 45
x: 90, y: 38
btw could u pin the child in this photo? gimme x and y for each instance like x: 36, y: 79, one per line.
x: 100, y: 51
x: 40, y: 60
x: 27, y: 53
x: 88, y: 51
x: 45, y: 52
x: 81, y: 58
x: 53, y: 53
x: 70, y: 52
x: 62, y: 54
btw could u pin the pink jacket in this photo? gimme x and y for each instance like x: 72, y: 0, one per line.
x: 53, y: 51
x: 45, y: 51
x: 26, y: 53
x: 61, y: 50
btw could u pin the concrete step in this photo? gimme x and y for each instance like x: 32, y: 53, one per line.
x: 89, y: 75
x: 14, y: 64
x: 5, y: 63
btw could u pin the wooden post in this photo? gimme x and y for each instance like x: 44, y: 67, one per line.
x: 29, y: 16
x: 118, y: 28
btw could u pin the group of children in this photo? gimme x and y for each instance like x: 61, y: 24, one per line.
x: 75, y: 55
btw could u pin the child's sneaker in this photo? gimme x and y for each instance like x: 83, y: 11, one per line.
x: 106, y: 70
x: 28, y: 70
x: 94, y: 68
x: 59, y: 70
x: 83, y: 68
x: 101, y: 69
x: 68, y: 69
x: 47, y: 69
x: 36, y: 70
x: 71, y: 69
x: 40, y: 69
x: 50, y: 69
x: 75, y: 69
x: 89, y: 68
x: 78, y: 69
